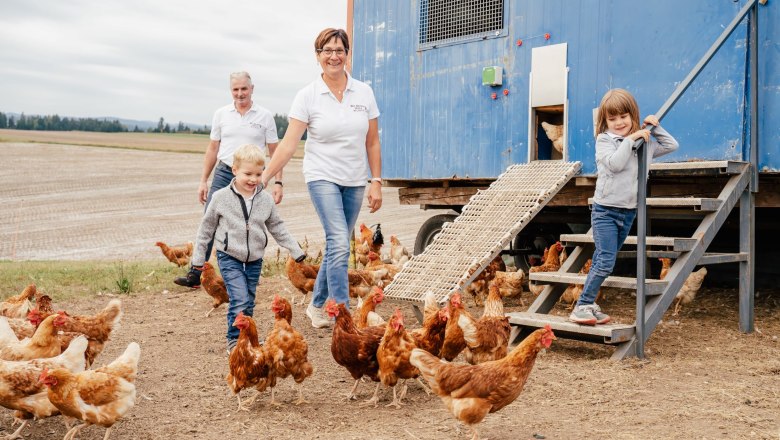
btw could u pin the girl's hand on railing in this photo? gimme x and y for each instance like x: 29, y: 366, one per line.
x: 651, y: 120
x: 643, y: 134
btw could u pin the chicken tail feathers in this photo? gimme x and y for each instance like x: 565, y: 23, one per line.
x: 428, y: 365
x: 126, y: 365
x: 469, y: 327
x: 7, y: 335
x: 73, y: 356
x: 113, y: 312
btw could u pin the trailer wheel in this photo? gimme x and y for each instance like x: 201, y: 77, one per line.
x: 429, y: 230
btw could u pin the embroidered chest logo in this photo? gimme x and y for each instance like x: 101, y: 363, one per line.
x: 256, y: 126
x: 359, y: 108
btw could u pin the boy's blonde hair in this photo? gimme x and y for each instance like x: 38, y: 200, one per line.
x: 614, y: 103
x: 248, y: 153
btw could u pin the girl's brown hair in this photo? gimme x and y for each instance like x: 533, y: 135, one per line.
x: 329, y: 34
x: 617, y: 102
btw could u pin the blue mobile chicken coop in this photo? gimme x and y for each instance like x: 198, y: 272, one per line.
x: 465, y: 85
x: 468, y: 88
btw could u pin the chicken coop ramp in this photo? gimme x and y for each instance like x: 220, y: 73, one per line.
x: 486, y: 225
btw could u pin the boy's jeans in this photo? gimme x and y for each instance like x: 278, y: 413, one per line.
x: 610, y: 229
x: 338, y: 208
x: 241, y: 282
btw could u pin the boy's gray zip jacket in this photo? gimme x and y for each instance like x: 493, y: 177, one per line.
x: 240, y: 228
x: 618, y: 166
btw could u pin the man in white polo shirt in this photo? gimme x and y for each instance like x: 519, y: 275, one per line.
x: 242, y: 122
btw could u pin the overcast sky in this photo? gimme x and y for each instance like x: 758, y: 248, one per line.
x: 146, y: 59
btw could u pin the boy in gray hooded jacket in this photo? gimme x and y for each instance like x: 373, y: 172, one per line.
x: 239, y: 217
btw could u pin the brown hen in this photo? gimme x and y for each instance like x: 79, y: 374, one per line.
x: 287, y: 348
x: 470, y: 392
x: 214, y: 285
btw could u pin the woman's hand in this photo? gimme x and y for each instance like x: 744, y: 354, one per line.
x: 278, y: 193
x: 651, y: 120
x: 644, y: 134
x: 375, y: 196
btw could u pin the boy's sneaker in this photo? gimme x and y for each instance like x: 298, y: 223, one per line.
x: 318, y: 317
x: 601, y: 317
x: 583, y: 315
x: 192, y: 279
x: 230, y: 346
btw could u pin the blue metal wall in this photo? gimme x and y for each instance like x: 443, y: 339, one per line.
x: 438, y: 121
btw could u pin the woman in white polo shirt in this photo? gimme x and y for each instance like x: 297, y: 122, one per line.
x: 341, y: 116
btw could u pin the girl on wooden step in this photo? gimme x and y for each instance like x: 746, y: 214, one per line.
x: 614, y: 203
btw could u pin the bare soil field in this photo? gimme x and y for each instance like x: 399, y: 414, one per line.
x: 702, y: 378
x: 175, y: 142
x: 64, y: 202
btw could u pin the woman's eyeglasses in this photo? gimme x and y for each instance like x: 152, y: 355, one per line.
x: 329, y: 52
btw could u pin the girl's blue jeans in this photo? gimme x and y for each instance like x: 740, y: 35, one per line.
x: 241, y: 282
x: 610, y: 229
x: 338, y: 208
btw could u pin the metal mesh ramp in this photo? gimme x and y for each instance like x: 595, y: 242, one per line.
x: 487, y: 224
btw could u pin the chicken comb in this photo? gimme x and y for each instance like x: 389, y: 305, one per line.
x: 44, y: 374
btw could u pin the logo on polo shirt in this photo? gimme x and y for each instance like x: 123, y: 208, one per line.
x: 359, y: 108
x: 255, y: 125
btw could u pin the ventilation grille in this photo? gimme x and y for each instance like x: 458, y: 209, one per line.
x: 444, y: 21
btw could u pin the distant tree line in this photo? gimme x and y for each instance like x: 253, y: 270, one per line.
x: 281, y: 125
x: 57, y: 123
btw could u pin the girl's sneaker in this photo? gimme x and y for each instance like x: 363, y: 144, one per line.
x: 583, y: 314
x: 601, y: 317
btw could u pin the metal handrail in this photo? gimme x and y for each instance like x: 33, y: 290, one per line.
x: 641, y: 244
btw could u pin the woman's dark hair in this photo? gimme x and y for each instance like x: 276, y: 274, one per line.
x: 329, y: 34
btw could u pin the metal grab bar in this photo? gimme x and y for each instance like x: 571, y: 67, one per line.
x: 641, y: 227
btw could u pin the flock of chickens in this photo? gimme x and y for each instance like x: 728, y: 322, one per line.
x: 372, y: 348
x: 45, y: 360
x: 45, y: 356
x: 389, y: 354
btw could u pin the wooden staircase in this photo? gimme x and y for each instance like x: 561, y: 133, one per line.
x: 658, y: 294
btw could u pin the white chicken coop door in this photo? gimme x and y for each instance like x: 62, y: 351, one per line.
x: 547, y: 123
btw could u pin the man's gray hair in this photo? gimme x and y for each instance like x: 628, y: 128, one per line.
x: 241, y: 74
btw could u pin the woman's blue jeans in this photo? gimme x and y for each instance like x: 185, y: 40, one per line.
x: 241, y: 282
x: 610, y: 229
x: 338, y: 208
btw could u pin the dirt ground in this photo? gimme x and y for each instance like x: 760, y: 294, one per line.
x: 702, y: 379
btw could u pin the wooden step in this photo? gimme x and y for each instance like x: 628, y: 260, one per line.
x: 697, y: 203
x: 697, y: 168
x: 677, y: 244
x: 706, y: 259
x: 652, y: 287
x: 563, y: 328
